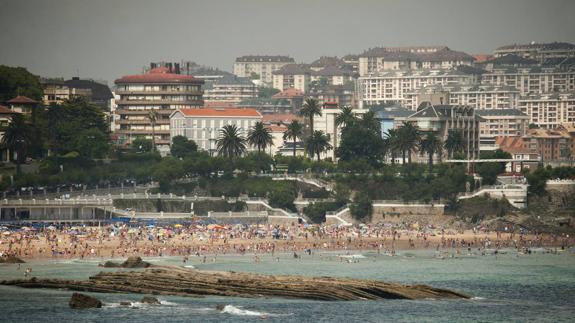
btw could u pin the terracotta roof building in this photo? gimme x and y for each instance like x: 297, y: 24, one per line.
x: 203, y: 126
x: 156, y: 91
x: 22, y: 104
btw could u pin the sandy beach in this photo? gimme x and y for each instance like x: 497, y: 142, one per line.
x: 213, y: 240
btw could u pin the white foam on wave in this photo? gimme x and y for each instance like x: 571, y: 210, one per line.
x: 230, y: 309
x: 353, y: 256
x: 190, y: 266
x: 477, y: 298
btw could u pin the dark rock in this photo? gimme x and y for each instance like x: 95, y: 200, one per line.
x: 125, y: 303
x: 135, y: 262
x: 11, y: 260
x: 150, y: 300
x: 84, y: 301
x: 220, y: 307
x: 110, y: 264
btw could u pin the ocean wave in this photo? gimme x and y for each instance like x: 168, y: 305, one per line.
x: 190, y: 266
x: 233, y: 310
x: 352, y: 256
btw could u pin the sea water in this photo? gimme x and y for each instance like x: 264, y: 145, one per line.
x: 508, y: 287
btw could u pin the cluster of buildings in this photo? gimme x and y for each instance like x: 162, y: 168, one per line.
x: 520, y: 99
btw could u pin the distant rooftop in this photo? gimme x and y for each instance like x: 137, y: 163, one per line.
x: 220, y: 112
x: 538, y: 46
x: 159, y: 75
x: 22, y: 100
x: 264, y: 58
x: 500, y: 112
x: 293, y: 69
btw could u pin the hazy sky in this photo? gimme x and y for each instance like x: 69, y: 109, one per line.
x: 105, y: 39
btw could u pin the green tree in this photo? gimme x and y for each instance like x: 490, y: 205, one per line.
x: 408, y: 137
x: 391, y: 144
x: 317, y: 143
x: 142, y: 145
x: 359, y: 142
x: 182, y: 147
x: 454, y: 142
x: 537, y: 181
x: 294, y: 132
x: 230, y: 144
x: 283, y: 199
x: 259, y: 136
x: 17, y: 138
x: 310, y: 109
x: 16, y: 81
x: 345, y: 117
x: 153, y: 116
x: 92, y: 143
x: 431, y: 145
x: 62, y: 123
x: 361, y: 207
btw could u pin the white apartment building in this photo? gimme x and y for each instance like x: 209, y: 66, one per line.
x: 549, y: 110
x: 500, y: 123
x: 477, y: 96
x: 263, y: 66
x: 203, y: 126
x: 394, y: 87
x: 534, y: 80
x: 377, y: 60
x: 158, y: 91
x: 230, y: 89
x: 296, y: 76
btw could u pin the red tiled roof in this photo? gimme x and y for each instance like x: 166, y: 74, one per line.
x: 223, y: 112
x: 330, y: 105
x: 479, y: 58
x: 512, y: 144
x: 288, y: 94
x: 277, y: 117
x: 159, y: 75
x: 6, y: 110
x: 22, y: 100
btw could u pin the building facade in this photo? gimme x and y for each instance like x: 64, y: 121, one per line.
x: 549, y: 110
x: 500, y: 123
x: 203, y: 126
x: 292, y: 76
x: 534, y: 80
x: 377, y: 60
x: 441, y: 119
x: 157, y: 93
x: 261, y: 65
x: 230, y: 89
x: 396, y: 86
x: 476, y: 96
x: 538, y: 51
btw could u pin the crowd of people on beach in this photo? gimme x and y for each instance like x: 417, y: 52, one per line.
x: 211, y: 240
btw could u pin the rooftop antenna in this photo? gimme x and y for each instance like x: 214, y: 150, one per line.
x: 77, y: 72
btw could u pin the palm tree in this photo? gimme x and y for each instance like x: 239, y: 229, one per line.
x: 294, y: 131
x: 454, y: 142
x: 153, y: 116
x: 260, y: 137
x: 309, y: 110
x: 392, y: 143
x: 17, y: 138
x: 318, y: 143
x: 408, y: 138
x: 431, y: 145
x: 230, y: 143
x: 345, y: 117
x: 369, y: 121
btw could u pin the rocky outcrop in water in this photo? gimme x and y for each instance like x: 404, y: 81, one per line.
x: 150, y: 300
x: 179, y: 281
x: 80, y: 301
x: 131, y: 262
x: 11, y: 260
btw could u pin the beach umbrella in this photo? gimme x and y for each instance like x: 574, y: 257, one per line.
x: 6, y: 233
x: 178, y: 226
x: 51, y: 227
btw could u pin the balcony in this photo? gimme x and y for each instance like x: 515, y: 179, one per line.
x: 144, y: 112
x: 158, y: 102
x: 159, y: 92
x: 143, y: 122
